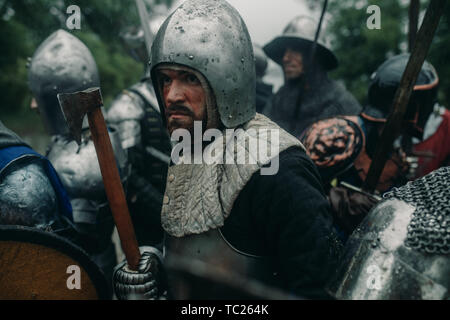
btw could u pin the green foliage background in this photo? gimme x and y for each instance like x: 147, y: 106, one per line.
x: 24, y: 24
x: 361, y: 50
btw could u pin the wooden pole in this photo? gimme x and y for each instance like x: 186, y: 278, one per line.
x: 394, y: 122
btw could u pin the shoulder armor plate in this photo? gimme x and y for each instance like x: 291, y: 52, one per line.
x: 27, y: 196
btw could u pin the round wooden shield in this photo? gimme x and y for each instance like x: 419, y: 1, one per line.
x: 38, y: 265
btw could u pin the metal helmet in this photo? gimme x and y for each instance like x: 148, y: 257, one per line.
x: 211, y: 37
x: 260, y: 61
x: 402, y: 248
x: 299, y: 34
x: 134, y: 39
x: 385, y: 81
x: 61, y: 64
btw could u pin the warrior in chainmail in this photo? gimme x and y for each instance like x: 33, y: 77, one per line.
x: 136, y: 115
x: 63, y: 64
x: 401, y: 250
x: 274, y: 228
x: 31, y: 193
x: 308, y: 94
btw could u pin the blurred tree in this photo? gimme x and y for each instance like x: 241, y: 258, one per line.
x: 361, y: 50
x: 13, y: 40
x: 438, y: 56
x: 24, y: 24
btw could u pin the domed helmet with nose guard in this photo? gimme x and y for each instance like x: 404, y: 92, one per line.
x: 61, y: 64
x: 210, y: 37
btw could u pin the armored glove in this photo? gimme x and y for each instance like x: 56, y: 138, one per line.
x: 146, y: 283
x: 349, y: 208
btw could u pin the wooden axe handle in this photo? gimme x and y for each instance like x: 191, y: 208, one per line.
x: 113, y: 187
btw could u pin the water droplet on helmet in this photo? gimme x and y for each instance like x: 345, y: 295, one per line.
x: 191, y: 57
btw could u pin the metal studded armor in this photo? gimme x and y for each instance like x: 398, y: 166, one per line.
x: 402, y: 248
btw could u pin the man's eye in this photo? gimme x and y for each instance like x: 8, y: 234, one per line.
x: 165, y: 80
x: 192, y: 79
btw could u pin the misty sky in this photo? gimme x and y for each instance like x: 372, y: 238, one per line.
x: 266, y: 19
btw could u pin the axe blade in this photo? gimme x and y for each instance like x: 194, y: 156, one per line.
x: 76, y: 105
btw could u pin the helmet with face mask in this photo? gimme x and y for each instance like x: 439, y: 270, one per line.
x: 210, y: 37
x: 61, y: 64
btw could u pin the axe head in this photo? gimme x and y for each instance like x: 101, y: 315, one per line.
x: 76, y: 105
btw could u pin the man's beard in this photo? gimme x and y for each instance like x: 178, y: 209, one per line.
x: 186, y: 122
